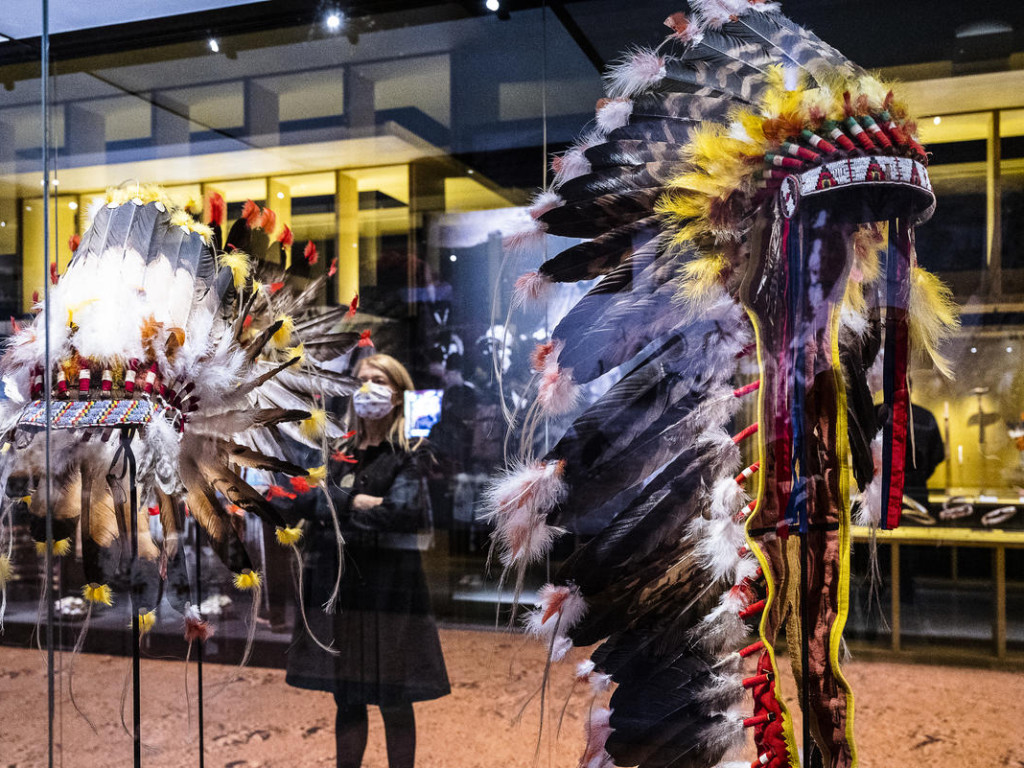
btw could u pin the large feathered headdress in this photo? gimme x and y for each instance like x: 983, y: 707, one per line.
x: 171, y: 371
x: 746, y: 191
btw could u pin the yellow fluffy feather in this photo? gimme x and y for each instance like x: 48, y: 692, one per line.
x: 238, y: 263
x: 247, y: 580
x: 98, y: 593
x: 315, y: 425
x: 146, y: 621
x: 283, y: 336
x: 317, y: 475
x: 932, y: 315
x: 701, y: 275
x: 287, y: 537
x: 5, y: 571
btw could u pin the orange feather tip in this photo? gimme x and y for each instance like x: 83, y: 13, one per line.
x: 74, y: 241
x: 310, y: 253
x: 268, y: 221
x: 333, y: 269
x: 286, y: 238
x: 252, y: 214
x: 364, y: 339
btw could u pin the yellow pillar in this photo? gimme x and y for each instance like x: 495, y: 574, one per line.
x: 346, y: 200
x: 279, y: 200
x: 63, y: 224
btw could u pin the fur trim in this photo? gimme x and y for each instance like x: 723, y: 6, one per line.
x: 613, y: 113
x: 638, y: 71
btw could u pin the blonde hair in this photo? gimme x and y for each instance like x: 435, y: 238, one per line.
x: 401, y: 382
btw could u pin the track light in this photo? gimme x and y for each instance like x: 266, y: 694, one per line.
x: 214, y: 45
x: 333, y: 21
x: 492, y: 5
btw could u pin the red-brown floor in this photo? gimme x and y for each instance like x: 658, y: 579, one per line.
x: 907, y: 715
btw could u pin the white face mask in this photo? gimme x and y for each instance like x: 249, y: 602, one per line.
x: 373, y: 401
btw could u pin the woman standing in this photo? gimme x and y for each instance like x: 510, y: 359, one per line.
x: 388, y: 650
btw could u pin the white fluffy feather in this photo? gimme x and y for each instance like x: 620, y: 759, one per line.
x: 570, y: 165
x: 639, y: 70
x: 559, y: 609
x: 615, y: 113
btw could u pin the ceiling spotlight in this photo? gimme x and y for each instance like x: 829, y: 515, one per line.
x: 937, y: 120
x: 974, y: 350
x: 73, y: 205
x: 1009, y: 350
x: 3, y: 224
x: 492, y: 5
x: 214, y: 45
x: 453, y: 257
x: 280, y: 195
x: 333, y: 21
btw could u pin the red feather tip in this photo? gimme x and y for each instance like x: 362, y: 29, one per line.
x: 268, y: 221
x: 300, y: 484
x: 310, y: 253
x: 364, y: 339
x: 216, y: 209
x: 277, y: 492
x: 74, y: 241
x: 540, y: 354
x: 349, y: 435
x: 286, y: 238
x: 154, y: 511
x: 197, y: 629
x: 342, y: 457
x: 847, y: 104
x: 236, y: 510
x: 54, y: 274
x: 352, y: 307
x: 252, y: 214
x: 247, y: 322
x: 15, y: 325
x: 333, y: 269
x: 35, y: 297
x: 275, y: 287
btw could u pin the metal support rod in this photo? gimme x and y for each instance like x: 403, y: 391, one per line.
x: 133, y: 499
x: 999, y: 624
x: 894, y: 588
x: 199, y: 645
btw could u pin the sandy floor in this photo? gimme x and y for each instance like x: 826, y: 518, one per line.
x: 907, y: 716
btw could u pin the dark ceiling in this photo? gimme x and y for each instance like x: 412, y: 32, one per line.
x: 871, y: 32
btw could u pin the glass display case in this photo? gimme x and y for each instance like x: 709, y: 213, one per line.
x: 355, y: 179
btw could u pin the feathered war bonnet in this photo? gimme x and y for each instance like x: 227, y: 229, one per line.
x: 167, y: 368
x: 747, y: 190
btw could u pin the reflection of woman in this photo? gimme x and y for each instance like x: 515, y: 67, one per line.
x: 389, y: 653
